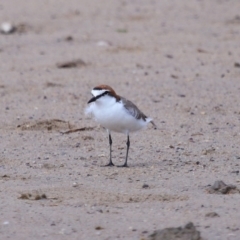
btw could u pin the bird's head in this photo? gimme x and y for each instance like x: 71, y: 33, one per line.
x: 101, y: 91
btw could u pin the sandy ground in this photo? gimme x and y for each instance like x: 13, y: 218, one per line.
x: 177, y: 60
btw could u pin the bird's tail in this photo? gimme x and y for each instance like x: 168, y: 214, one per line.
x: 154, y: 125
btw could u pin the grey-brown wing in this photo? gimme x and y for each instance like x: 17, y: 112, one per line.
x: 133, y: 109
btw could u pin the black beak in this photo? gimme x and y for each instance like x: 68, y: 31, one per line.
x: 93, y: 99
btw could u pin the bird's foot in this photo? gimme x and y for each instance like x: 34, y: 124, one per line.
x: 124, y: 165
x: 110, y: 164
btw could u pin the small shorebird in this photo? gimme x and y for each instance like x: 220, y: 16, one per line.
x: 117, y: 114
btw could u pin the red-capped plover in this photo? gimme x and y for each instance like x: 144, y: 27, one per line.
x: 116, y: 114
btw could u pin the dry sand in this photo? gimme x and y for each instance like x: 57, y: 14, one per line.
x: 177, y: 60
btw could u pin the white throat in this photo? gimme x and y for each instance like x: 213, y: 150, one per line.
x: 106, y: 101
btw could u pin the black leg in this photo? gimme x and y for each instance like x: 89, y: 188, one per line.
x: 110, y: 144
x: 128, y: 145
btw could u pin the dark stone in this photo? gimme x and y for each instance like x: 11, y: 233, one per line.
x: 236, y: 64
x: 211, y: 214
x: 219, y: 187
x: 72, y: 64
x: 188, y: 232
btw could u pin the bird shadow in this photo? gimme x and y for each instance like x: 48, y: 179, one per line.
x: 146, y: 164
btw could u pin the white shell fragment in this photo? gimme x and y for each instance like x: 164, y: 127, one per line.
x: 7, y: 28
x: 103, y: 44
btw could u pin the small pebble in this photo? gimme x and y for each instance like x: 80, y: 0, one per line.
x: 212, y: 214
x: 98, y: 228
x: 74, y: 184
x: 7, y: 28
x: 237, y: 64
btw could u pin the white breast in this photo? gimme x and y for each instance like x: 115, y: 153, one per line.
x: 113, y: 115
